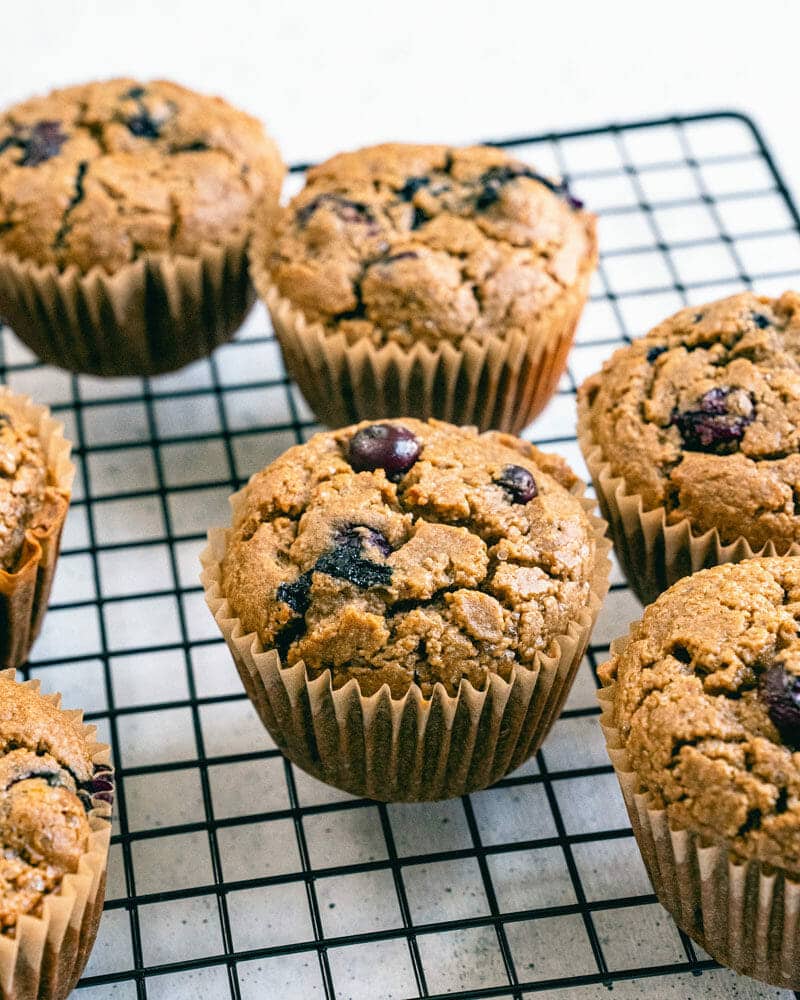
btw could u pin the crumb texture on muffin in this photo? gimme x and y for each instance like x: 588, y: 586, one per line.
x: 410, y: 552
x: 708, y: 706
x: 23, y: 483
x: 702, y: 417
x: 101, y: 173
x: 47, y: 779
x: 410, y: 243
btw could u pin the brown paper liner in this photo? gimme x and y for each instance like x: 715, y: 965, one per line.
x: 409, y: 749
x: 25, y: 592
x: 744, y: 914
x: 654, y: 554
x: 154, y: 315
x: 47, y: 955
x: 497, y: 383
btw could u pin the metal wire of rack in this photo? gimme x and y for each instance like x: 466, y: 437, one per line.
x: 233, y: 874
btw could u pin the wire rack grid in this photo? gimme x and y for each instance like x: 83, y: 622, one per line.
x: 234, y: 874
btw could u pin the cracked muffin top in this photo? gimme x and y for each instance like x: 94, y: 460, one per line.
x: 708, y: 706
x: 702, y: 416
x: 410, y: 552
x: 24, y: 479
x: 47, y: 782
x: 428, y: 243
x: 102, y: 173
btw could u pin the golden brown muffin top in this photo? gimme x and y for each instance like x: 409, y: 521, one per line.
x: 23, y: 481
x: 702, y: 416
x: 708, y: 706
x: 47, y: 779
x: 102, y: 173
x: 429, y: 243
x: 409, y: 552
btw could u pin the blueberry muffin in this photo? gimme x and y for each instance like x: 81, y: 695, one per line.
x: 703, y: 713
x: 35, y: 484
x: 129, y: 194
x: 23, y: 484
x: 466, y: 264
x: 416, y: 559
x: 699, y: 422
x: 56, y: 789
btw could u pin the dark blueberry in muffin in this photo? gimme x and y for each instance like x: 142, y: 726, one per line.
x: 419, y: 218
x: 780, y: 693
x: 518, y: 483
x: 135, y: 93
x: 100, y: 786
x: 53, y: 778
x: 712, y: 427
x: 760, y: 320
x: 44, y: 142
x: 345, y: 208
x: 574, y: 203
x: 411, y: 186
x: 655, y: 352
x: 297, y: 593
x: 383, y: 446
x: 103, y: 789
x: 143, y: 126
x: 347, y: 563
x: 494, y: 180
x: 357, y: 535
x: 289, y: 634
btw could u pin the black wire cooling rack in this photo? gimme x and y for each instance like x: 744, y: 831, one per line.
x: 233, y: 874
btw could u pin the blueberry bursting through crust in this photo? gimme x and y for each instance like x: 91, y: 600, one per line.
x: 384, y: 446
x: 142, y: 124
x: 518, y: 483
x: 780, y: 693
x: 41, y: 142
x: 346, y: 562
x: 713, y: 427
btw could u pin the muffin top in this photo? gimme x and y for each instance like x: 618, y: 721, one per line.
x: 429, y: 243
x: 708, y: 706
x: 702, y: 417
x: 409, y: 552
x: 102, y: 173
x: 23, y: 481
x: 47, y: 779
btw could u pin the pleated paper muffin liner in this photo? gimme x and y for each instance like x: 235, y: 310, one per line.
x: 46, y: 956
x: 154, y: 315
x: 24, y: 593
x: 499, y: 383
x: 744, y: 914
x: 653, y: 553
x: 409, y: 749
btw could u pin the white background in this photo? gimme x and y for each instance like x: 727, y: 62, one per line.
x: 332, y: 75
